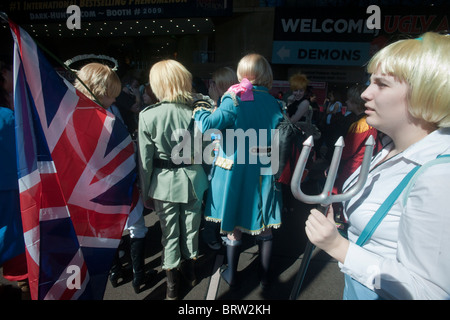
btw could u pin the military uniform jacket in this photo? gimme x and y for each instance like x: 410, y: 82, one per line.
x: 157, y: 123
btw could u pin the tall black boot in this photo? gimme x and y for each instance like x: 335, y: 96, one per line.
x: 229, y: 274
x: 137, y: 246
x: 187, y: 270
x: 265, y: 255
x: 116, y: 270
x: 172, y: 284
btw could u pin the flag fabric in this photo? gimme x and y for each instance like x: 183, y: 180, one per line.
x: 76, y: 171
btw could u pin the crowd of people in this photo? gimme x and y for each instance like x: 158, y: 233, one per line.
x: 406, y: 108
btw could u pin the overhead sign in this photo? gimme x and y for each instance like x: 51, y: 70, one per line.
x: 322, y: 24
x: 320, y: 53
x: 340, y: 36
x: 38, y: 11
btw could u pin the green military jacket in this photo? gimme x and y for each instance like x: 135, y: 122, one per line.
x: 157, y: 123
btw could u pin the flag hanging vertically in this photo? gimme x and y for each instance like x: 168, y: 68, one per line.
x: 76, y: 168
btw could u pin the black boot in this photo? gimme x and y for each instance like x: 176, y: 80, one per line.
x: 229, y: 273
x: 172, y: 284
x: 265, y: 255
x: 187, y: 270
x: 137, y: 246
x: 116, y: 271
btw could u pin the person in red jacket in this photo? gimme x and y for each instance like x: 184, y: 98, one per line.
x: 355, y: 138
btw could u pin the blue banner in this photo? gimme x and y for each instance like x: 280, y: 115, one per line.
x: 320, y: 53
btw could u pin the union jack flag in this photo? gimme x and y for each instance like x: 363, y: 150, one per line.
x: 77, y: 171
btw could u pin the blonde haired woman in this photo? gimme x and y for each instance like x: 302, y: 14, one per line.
x: 407, y: 256
x: 176, y: 188
x: 222, y: 79
x: 103, y: 84
x: 241, y: 198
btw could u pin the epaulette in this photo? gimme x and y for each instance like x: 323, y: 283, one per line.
x: 201, y: 105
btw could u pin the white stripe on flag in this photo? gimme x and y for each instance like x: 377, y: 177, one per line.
x: 29, y: 181
x: 94, y: 242
x: 32, y: 243
x: 47, y: 214
x: 68, y: 280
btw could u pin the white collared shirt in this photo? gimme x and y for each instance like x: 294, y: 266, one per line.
x: 408, y: 256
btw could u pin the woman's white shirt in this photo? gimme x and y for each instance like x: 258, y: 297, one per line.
x: 408, y: 256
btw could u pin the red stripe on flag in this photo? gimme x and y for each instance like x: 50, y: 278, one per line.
x: 30, y: 205
x: 89, y: 223
x: 113, y: 164
x: 52, y: 191
x: 68, y: 164
x: 33, y: 276
x: 88, y: 128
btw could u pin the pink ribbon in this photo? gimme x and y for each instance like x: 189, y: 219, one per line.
x: 243, y: 89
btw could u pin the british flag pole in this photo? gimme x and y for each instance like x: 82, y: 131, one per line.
x: 77, y: 172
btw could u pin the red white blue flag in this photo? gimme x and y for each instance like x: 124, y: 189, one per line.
x: 77, y: 171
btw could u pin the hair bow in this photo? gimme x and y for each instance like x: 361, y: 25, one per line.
x: 243, y: 89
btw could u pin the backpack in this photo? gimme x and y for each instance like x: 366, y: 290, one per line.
x: 290, y: 143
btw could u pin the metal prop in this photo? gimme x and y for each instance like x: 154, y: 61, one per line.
x: 325, y: 198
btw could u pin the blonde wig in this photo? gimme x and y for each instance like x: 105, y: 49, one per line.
x: 101, y: 80
x: 171, y: 81
x: 424, y: 64
x: 223, y: 79
x: 256, y: 69
x: 298, y: 81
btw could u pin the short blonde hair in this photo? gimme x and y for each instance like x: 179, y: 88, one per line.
x: 256, y: 69
x: 298, y: 81
x: 424, y: 64
x: 224, y: 78
x: 101, y: 80
x: 171, y: 81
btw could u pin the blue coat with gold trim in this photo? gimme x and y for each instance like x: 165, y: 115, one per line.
x: 243, y: 193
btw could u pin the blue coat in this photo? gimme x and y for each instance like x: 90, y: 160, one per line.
x: 8, y: 165
x: 11, y: 234
x: 241, y: 194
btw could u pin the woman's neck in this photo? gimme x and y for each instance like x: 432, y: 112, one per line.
x: 409, y: 136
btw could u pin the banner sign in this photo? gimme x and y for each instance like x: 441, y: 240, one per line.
x: 341, y: 36
x: 38, y: 11
x: 320, y: 53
